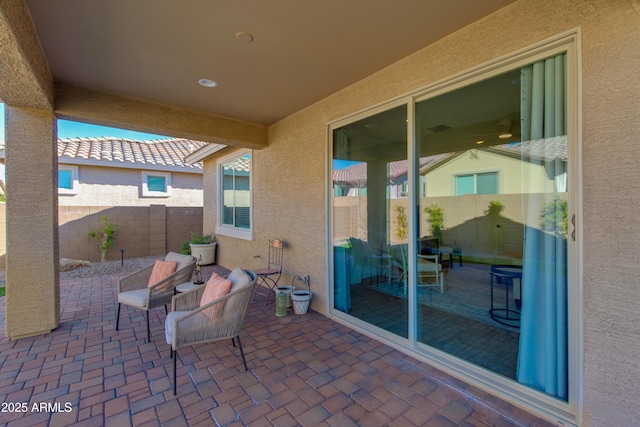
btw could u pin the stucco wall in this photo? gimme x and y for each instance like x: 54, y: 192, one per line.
x: 102, y: 186
x: 289, y: 176
x: 441, y: 180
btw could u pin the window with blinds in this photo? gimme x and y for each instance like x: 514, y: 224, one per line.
x: 235, y: 206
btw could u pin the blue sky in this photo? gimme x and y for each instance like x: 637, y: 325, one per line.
x: 69, y: 129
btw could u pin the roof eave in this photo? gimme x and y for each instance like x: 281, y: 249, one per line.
x: 204, y: 152
x: 127, y: 165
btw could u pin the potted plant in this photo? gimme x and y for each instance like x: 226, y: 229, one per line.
x: 105, y: 235
x: 435, y: 218
x: 402, y: 223
x: 201, y: 245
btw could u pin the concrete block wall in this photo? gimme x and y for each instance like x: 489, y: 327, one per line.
x: 142, y: 231
x: 180, y: 222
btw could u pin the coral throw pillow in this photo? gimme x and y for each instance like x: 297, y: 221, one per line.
x: 161, y: 270
x: 216, y: 287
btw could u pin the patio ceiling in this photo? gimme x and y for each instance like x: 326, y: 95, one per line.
x: 300, y: 52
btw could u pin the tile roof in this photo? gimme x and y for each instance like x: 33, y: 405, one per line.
x: 397, y: 169
x: 118, y: 152
x: 545, y: 149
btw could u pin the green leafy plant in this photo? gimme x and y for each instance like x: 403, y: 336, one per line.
x: 402, y: 224
x: 197, y: 239
x: 106, y: 235
x: 435, y: 218
x: 553, y: 218
x: 495, y: 208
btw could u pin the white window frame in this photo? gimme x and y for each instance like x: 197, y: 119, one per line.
x: 75, y: 183
x: 475, y: 181
x: 145, y: 187
x: 226, y: 229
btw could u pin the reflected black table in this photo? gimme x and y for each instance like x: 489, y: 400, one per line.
x: 509, y: 276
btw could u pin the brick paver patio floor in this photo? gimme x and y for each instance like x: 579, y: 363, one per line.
x: 303, y: 370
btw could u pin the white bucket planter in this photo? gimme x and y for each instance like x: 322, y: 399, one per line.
x: 300, y: 300
x: 207, y: 251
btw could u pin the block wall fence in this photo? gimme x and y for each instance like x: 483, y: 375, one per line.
x: 142, y: 231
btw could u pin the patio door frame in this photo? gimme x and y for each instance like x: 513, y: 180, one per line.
x: 544, y: 405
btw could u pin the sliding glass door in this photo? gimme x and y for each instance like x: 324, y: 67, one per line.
x: 455, y: 240
x: 369, y: 219
x: 493, y: 221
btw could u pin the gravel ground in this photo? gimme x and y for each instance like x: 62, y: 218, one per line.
x: 100, y: 268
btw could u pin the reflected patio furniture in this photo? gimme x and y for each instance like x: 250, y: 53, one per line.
x: 431, y: 246
x: 382, y: 265
x: 190, y: 323
x: 429, y: 267
x: 369, y: 262
x: 451, y: 252
x: 398, y: 255
x: 270, y: 275
x: 135, y: 290
x: 428, y: 245
x: 362, y: 260
x: 509, y: 276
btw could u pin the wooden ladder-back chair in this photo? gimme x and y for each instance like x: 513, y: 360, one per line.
x: 271, y: 275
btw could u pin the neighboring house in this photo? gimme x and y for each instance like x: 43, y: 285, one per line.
x: 499, y: 171
x: 454, y: 181
x: 122, y: 172
x: 132, y: 182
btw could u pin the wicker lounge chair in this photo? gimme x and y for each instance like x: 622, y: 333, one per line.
x: 191, y: 323
x: 134, y: 289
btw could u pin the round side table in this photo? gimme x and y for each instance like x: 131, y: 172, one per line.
x: 187, y: 286
x: 508, y: 276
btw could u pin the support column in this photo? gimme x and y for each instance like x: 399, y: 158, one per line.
x: 33, y: 283
x: 377, y: 204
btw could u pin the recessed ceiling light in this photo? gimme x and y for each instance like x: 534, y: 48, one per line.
x: 207, y: 83
x: 480, y: 142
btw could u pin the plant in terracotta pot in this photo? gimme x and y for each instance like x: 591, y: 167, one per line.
x: 201, y: 245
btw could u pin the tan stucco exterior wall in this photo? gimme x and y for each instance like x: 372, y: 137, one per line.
x: 289, y: 176
x: 105, y: 186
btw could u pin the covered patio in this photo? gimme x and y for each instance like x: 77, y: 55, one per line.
x: 303, y: 370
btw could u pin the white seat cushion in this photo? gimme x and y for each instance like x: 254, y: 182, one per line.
x: 196, y: 321
x: 182, y: 260
x: 136, y: 298
x: 169, y: 324
x: 239, y: 279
